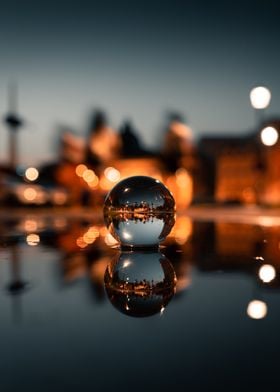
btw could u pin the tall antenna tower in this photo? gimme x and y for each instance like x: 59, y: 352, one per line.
x: 13, y: 123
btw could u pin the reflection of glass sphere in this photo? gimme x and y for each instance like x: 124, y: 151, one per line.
x: 139, y: 212
x: 140, y: 284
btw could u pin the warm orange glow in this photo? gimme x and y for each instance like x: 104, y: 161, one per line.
x: 157, y: 175
x: 257, y: 309
x: 80, y: 169
x: 103, y: 231
x: 181, y: 130
x: 60, y: 223
x: 181, y: 186
x: 249, y: 195
x: 30, y: 194
x: 267, y: 221
x: 112, y: 174
x: 31, y: 174
x: 30, y: 225
x: 183, y: 179
x: 81, y: 243
x: 269, y: 136
x: 105, y: 184
x: 90, y: 236
x: 183, y: 283
x: 138, y: 166
x: 94, y: 183
x: 170, y: 182
x: 33, y: 239
x: 88, y: 239
x: 59, y: 197
x: 267, y: 273
x: 89, y: 175
x: 182, y: 229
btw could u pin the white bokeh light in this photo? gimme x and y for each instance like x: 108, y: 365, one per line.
x: 267, y: 273
x: 260, y: 97
x: 257, y: 309
x: 32, y: 239
x: 31, y: 174
x: 269, y: 136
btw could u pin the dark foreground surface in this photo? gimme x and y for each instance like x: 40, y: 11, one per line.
x: 61, y: 330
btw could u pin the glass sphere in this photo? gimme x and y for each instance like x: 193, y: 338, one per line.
x: 140, y: 284
x: 139, y: 212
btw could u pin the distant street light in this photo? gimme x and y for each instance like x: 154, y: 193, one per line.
x: 267, y: 273
x: 260, y: 97
x: 31, y: 174
x: 269, y: 136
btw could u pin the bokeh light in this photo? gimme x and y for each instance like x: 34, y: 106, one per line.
x: 30, y: 225
x: 30, y: 194
x: 90, y: 236
x: 89, y: 175
x: 80, y: 169
x: 267, y: 273
x: 269, y: 136
x: 112, y: 174
x: 257, y: 309
x: 260, y: 97
x: 32, y: 239
x: 94, y: 182
x: 31, y: 174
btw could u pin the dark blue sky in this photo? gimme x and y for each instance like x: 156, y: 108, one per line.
x: 136, y: 60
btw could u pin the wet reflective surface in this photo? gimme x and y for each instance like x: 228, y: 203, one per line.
x: 218, y: 326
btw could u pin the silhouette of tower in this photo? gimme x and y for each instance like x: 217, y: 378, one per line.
x: 131, y: 145
x: 103, y: 144
x: 13, y: 122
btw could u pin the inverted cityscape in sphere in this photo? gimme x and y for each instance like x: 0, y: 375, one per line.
x: 140, y: 284
x: 139, y: 212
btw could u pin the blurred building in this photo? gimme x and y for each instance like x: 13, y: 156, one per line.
x: 241, y: 169
x: 224, y: 169
x: 103, y: 144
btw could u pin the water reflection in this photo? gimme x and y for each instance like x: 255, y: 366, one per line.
x: 221, y: 269
x: 84, y: 248
x: 16, y: 285
x: 140, y: 284
x: 32, y: 239
x: 257, y: 309
x: 267, y: 273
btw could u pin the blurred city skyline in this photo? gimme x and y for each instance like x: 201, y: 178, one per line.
x: 135, y: 62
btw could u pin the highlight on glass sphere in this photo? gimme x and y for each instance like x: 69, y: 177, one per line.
x: 139, y: 212
x: 140, y: 284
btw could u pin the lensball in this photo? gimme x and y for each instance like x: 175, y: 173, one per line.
x: 139, y: 212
